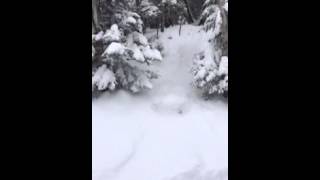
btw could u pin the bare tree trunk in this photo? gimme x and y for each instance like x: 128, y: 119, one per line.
x: 93, y: 28
x: 180, y: 27
x: 145, y: 25
x: 190, y: 17
x: 95, y: 20
x: 224, y: 33
x: 162, y: 23
x: 138, y: 3
x: 224, y: 28
x: 157, y: 32
x: 157, y: 27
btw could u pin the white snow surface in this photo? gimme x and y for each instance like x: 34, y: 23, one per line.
x: 152, y: 54
x: 131, y: 20
x: 139, y: 39
x: 114, y: 48
x: 104, y: 78
x: 113, y: 34
x: 167, y: 133
x: 137, y: 54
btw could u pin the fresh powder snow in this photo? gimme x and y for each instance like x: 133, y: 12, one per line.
x: 112, y: 35
x: 137, y: 54
x: 167, y: 133
x: 139, y: 39
x: 104, y: 78
x: 153, y: 54
x: 114, y: 48
x: 131, y: 20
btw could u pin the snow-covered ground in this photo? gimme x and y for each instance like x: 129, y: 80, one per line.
x: 168, y: 133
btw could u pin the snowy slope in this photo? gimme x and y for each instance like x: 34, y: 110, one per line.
x: 168, y: 133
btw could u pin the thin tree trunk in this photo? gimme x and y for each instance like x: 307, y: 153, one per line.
x: 138, y: 3
x: 190, y: 17
x: 180, y: 28
x: 224, y: 28
x: 157, y: 27
x: 162, y: 23
x: 95, y: 19
x: 145, y: 25
x: 93, y: 28
x: 157, y: 32
x: 224, y: 33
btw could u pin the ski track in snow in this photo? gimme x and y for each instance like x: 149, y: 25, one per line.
x: 168, y: 133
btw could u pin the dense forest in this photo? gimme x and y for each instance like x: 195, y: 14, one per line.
x: 122, y: 55
x: 160, y: 89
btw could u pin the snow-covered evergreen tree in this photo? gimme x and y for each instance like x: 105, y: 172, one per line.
x: 208, y: 14
x: 122, y: 55
x: 211, y: 78
x: 150, y: 13
x: 210, y: 68
x: 148, y: 9
x: 171, y: 10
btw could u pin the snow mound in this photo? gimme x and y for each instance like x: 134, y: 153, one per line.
x: 114, y: 49
x: 98, y: 36
x: 137, y: 54
x: 139, y: 39
x: 112, y: 35
x: 131, y: 20
x: 132, y: 133
x: 171, y: 104
x: 152, y: 54
x: 103, y: 78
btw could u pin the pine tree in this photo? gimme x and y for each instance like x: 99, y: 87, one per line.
x: 208, y: 9
x: 122, y: 55
x: 150, y: 13
x: 210, y: 68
